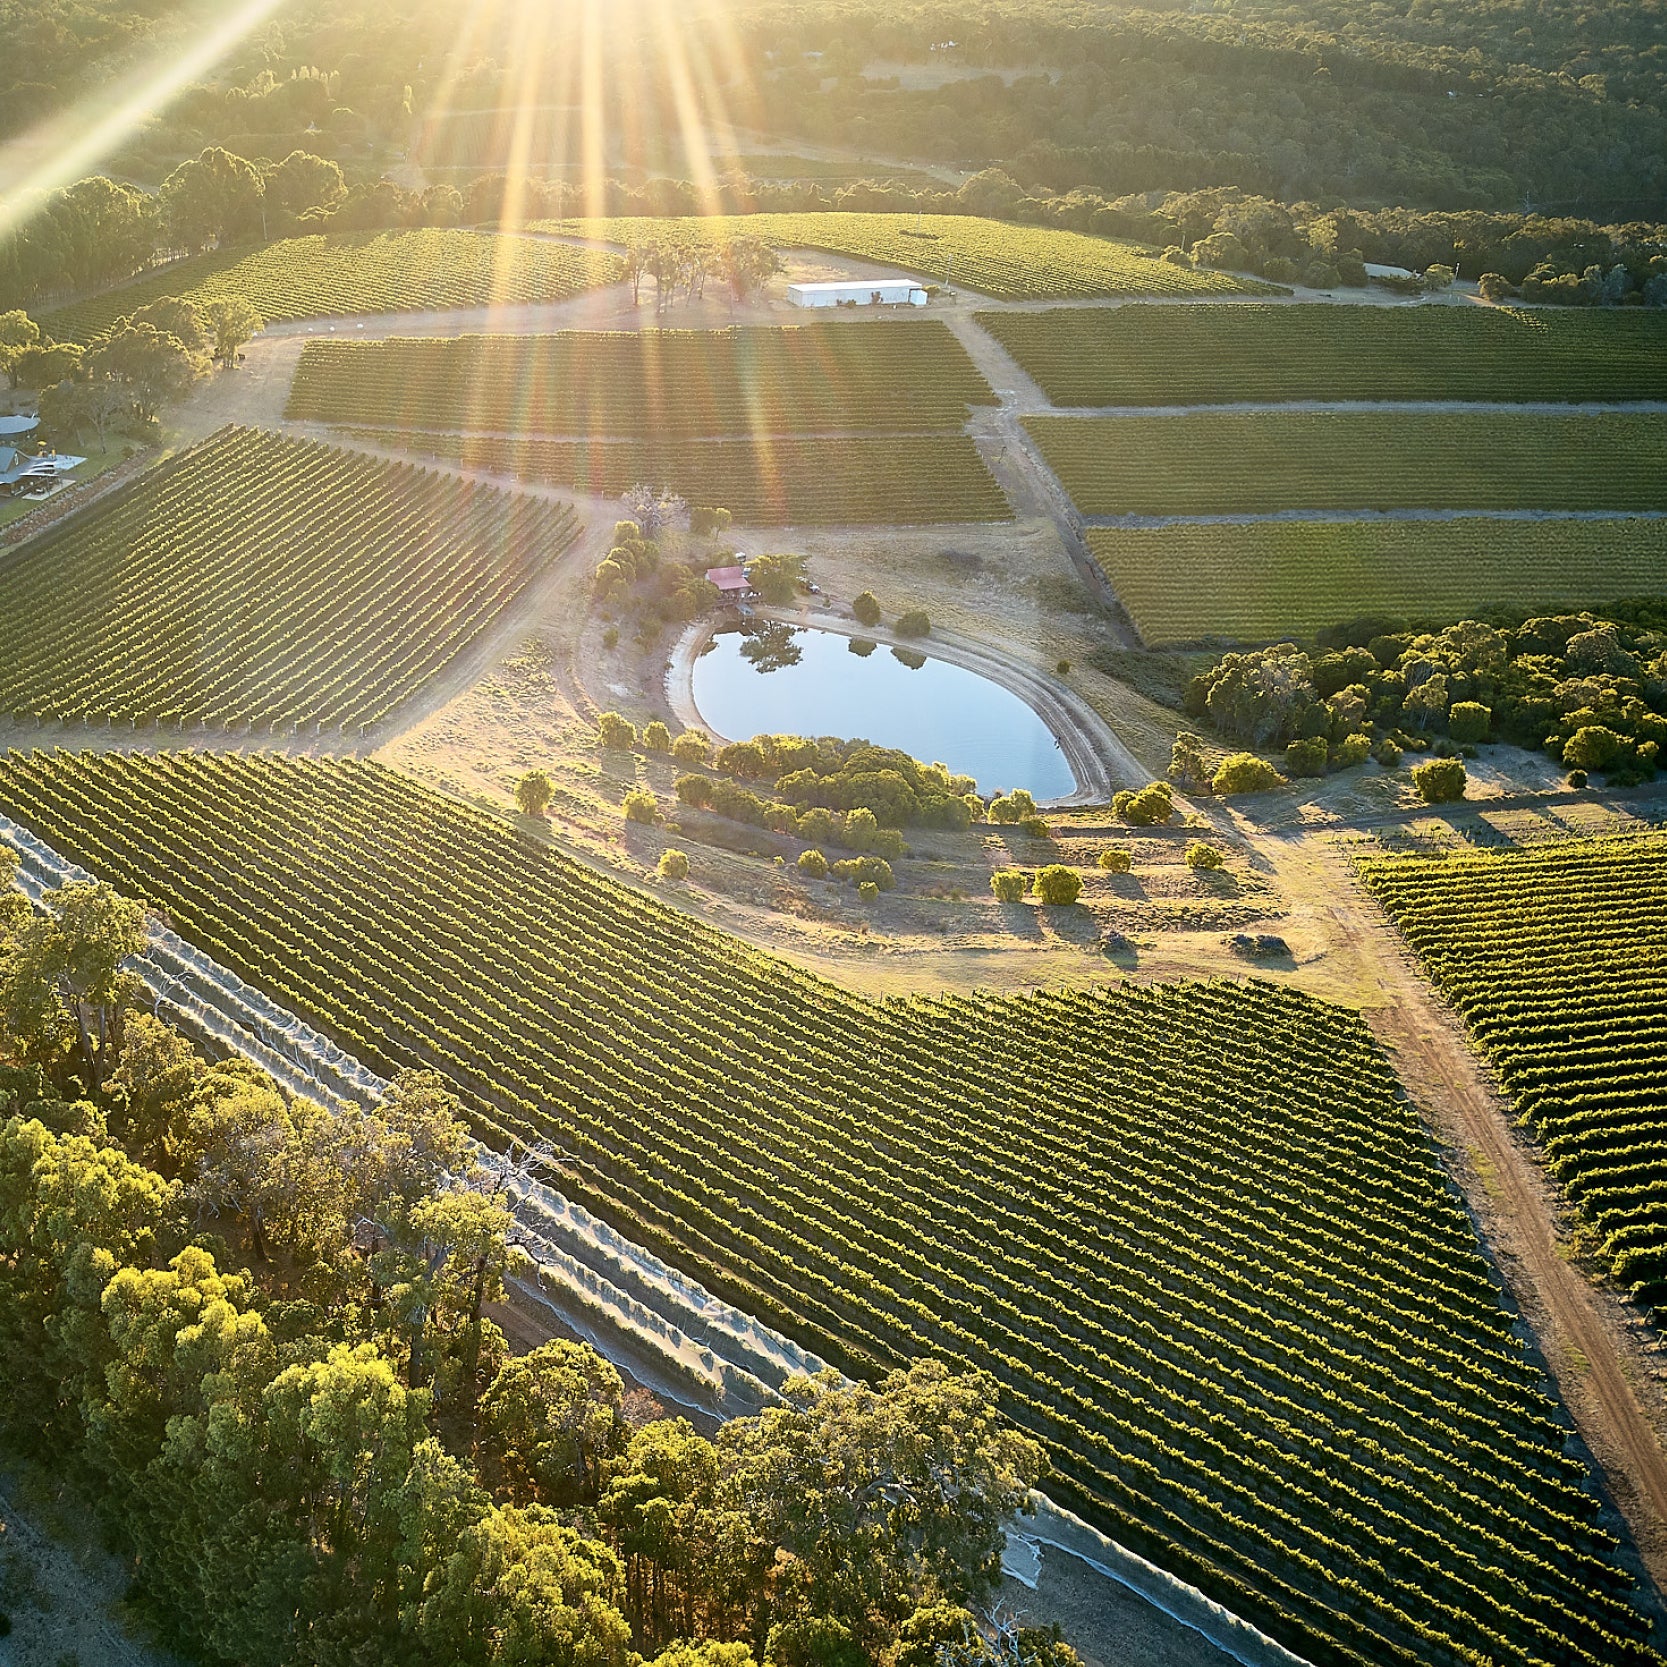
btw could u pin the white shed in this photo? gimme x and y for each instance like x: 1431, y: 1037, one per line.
x: 859, y: 292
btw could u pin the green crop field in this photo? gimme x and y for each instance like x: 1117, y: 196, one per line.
x: 1230, y: 463
x: 258, y: 580
x: 1268, y: 579
x: 1010, y: 263
x: 1220, y: 355
x: 754, y: 380
x: 1556, y: 957
x: 853, y: 480
x: 339, y: 274
x: 1195, y: 1231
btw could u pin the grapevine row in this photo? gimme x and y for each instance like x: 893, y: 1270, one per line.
x: 1207, y: 355
x: 333, y: 275
x: 1008, y: 262
x: 1221, y: 463
x: 1193, y: 1230
x: 806, y: 379
x: 1261, y: 581
x: 1557, y: 959
x: 259, y: 581
x: 897, y: 480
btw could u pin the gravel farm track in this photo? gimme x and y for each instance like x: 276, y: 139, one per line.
x: 1597, y: 1348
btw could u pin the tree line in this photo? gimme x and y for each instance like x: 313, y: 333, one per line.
x: 255, y: 1332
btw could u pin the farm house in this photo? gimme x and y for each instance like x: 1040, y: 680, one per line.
x: 732, y: 582
x: 859, y: 292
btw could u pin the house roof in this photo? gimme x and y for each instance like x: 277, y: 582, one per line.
x: 727, y: 578
x: 18, y: 425
x: 14, y: 466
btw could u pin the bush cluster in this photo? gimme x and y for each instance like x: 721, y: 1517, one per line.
x: 1590, y: 690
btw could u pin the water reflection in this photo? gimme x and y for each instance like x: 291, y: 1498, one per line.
x: 776, y: 678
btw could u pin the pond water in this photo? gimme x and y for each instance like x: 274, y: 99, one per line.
x: 782, y: 680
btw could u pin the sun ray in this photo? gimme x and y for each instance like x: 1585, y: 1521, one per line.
x: 78, y: 140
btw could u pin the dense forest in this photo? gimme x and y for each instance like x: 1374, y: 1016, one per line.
x: 1515, y: 105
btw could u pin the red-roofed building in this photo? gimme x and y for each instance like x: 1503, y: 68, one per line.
x: 731, y: 581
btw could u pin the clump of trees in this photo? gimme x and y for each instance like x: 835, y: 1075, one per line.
x: 128, y: 374
x: 1596, y: 684
x: 255, y: 1331
x: 634, y: 577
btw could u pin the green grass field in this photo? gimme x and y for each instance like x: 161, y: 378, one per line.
x: 1266, y: 580
x: 850, y: 480
x: 1011, y: 263
x: 1557, y: 959
x: 1196, y: 1232
x: 343, y: 273
x: 1221, y: 355
x: 263, y: 581
x: 802, y: 379
x: 1230, y: 463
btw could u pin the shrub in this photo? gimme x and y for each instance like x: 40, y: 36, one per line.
x: 706, y: 521
x: 1440, y: 781
x: 614, y: 731
x: 656, y: 737
x: 914, y: 623
x: 873, y: 870
x: 867, y: 890
x: 674, y: 865
x: 1307, y: 757
x: 1577, y: 778
x: 746, y: 759
x: 1387, y: 753
x: 1058, y: 884
x: 1200, y: 855
x: 1063, y: 667
x: 1593, y: 747
x: 1469, y: 720
x: 1151, y: 805
x: 641, y: 806
x: 1244, y: 772
x: 533, y: 792
x: 1352, y: 750
x: 610, y: 637
x: 698, y: 791
x: 1012, y: 807
x: 1116, y: 859
x: 1495, y: 287
x: 1035, y: 826
x: 813, y: 865
x: 691, y: 747
x: 866, y: 608
x: 1009, y: 884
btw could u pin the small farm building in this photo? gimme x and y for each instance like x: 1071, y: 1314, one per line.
x: 731, y: 581
x: 859, y: 292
